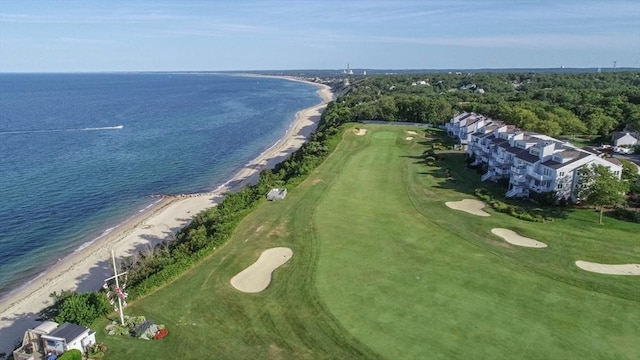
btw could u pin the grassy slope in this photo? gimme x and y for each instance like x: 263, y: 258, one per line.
x: 382, y: 267
x: 208, y: 319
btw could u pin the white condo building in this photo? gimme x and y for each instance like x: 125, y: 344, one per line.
x: 533, y: 163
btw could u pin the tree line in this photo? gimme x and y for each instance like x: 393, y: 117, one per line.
x: 551, y: 104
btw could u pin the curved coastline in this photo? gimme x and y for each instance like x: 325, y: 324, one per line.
x: 86, y: 268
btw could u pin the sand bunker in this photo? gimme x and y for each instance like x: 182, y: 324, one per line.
x: 468, y: 205
x: 409, y: 138
x: 621, y: 269
x: 412, y: 132
x: 514, y: 238
x: 360, y: 132
x: 257, y: 277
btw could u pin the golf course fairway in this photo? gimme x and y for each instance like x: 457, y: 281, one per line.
x: 382, y: 268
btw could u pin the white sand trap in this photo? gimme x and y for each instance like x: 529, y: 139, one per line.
x: 514, y: 238
x: 409, y: 138
x: 412, y: 132
x: 257, y: 277
x: 468, y: 205
x: 360, y: 132
x: 621, y: 269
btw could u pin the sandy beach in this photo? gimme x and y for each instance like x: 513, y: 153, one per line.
x: 86, y: 269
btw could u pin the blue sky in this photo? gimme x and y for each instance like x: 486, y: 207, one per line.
x: 188, y: 35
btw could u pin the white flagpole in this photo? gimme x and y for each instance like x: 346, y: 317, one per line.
x: 115, y: 273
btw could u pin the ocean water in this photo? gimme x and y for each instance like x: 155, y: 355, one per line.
x: 81, y: 153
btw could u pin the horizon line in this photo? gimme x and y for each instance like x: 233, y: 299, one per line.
x: 319, y: 69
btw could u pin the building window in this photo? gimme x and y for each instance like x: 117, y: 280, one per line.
x: 559, y: 186
x: 561, y: 174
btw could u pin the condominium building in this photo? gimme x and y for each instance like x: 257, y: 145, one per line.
x: 533, y: 163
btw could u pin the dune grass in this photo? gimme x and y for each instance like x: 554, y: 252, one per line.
x: 381, y: 268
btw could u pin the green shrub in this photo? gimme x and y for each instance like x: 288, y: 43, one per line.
x: 96, y: 351
x: 73, y: 354
x: 626, y: 215
x: 501, y: 206
x: 81, y: 309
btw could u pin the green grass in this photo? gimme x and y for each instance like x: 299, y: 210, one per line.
x: 382, y: 268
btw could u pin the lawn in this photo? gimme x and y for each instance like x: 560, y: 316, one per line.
x: 381, y: 268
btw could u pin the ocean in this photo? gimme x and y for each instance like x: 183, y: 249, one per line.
x: 82, y: 153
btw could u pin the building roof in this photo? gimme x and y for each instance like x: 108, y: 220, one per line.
x: 614, y: 161
x: 483, y: 132
x: 570, y: 154
x: 500, y: 142
x: 46, y: 327
x: 620, y: 134
x: 515, y: 150
x: 577, y: 155
x: 526, y: 156
x: 68, y: 331
x: 462, y: 116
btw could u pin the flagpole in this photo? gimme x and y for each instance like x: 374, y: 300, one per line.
x: 115, y: 273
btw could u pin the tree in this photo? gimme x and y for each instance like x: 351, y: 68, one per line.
x: 629, y: 171
x: 81, y: 309
x: 600, y: 187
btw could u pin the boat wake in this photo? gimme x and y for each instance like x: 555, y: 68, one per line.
x: 119, y: 127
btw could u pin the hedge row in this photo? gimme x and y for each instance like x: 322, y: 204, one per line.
x: 515, y: 211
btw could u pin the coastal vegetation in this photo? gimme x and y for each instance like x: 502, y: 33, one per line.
x: 383, y: 269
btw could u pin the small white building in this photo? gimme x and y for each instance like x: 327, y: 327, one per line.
x: 69, y: 336
x: 49, y: 336
x: 621, y: 138
x: 277, y: 194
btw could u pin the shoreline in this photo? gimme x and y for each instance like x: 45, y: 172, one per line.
x: 86, y: 267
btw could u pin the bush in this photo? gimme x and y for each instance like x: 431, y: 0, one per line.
x: 501, y: 206
x: 626, y: 215
x: 73, y: 354
x: 546, y: 198
x: 81, y: 309
x: 96, y: 351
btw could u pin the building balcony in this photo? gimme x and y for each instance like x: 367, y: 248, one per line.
x: 519, y: 170
x: 502, y: 170
x: 520, y: 180
x: 540, y: 188
x: 503, y: 160
x: 534, y: 175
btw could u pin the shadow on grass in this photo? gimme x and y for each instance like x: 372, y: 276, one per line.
x: 452, y: 173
